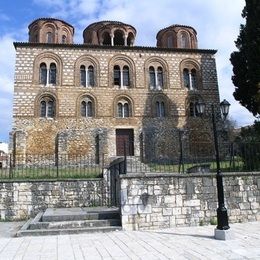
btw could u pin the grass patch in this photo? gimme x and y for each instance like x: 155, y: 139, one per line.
x: 52, y: 173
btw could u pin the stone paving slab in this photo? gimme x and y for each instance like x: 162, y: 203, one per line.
x: 175, y: 243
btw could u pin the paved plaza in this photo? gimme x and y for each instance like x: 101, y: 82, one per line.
x: 175, y: 243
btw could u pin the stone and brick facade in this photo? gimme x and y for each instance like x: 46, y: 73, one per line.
x: 68, y: 97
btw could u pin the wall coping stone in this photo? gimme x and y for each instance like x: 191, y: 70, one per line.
x: 49, y: 180
x: 187, y: 175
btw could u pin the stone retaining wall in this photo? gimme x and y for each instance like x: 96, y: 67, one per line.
x: 22, y: 199
x: 154, y: 201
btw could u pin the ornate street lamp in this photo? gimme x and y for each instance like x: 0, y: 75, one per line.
x: 222, y: 217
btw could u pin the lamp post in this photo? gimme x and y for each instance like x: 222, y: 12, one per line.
x: 222, y: 217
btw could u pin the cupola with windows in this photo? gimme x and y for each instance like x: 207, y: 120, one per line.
x: 109, y: 33
x: 50, y: 30
x: 177, y: 36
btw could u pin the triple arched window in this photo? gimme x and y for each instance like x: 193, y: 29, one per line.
x: 121, y: 76
x: 47, y: 107
x: 48, y: 74
x: 87, y: 77
x: 156, y: 77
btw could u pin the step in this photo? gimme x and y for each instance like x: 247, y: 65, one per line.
x: 45, y: 232
x: 74, y: 224
x: 57, y: 221
x: 73, y: 214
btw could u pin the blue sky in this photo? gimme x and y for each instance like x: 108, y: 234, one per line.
x: 217, y: 23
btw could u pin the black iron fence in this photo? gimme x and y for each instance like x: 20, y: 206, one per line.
x: 49, y: 167
x: 198, y: 157
x: 184, y: 158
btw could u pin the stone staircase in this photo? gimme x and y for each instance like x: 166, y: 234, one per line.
x: 56, y: 221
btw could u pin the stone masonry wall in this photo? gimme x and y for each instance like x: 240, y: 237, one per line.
x: 23, y: 199
x: 153, y: 201
x: 40, y: 133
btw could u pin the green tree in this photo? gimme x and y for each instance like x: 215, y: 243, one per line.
x: 246, y: 61
x: 248, y: 145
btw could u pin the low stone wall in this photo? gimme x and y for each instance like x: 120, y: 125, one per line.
x: 22, y: 199
x: 154, y: 201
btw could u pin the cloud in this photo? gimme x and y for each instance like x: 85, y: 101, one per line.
x: 7, y: 63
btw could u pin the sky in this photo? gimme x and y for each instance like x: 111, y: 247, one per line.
x: 217, y: 23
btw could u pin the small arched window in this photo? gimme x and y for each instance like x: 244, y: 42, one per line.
x: 160, y: 78
x: 126, y: 81
x: 49, y: 37
x: 156, y: 77
x: 43, y: 74
x: 64, y: 39
x: 123, y: 109
x: 170, y: 41
x: 186, y: 78
x: 160, y: 109
x: 193, y: 79
x: 117, y: 77
x: 47, y: 107
x: 86, y: 108
x: 52, y: 74
x: 184, y: 40
x: 152, y: 77
x: 91, y: 80
x: 190, y: 79
x: 83, y: 75
x: 106, y: 38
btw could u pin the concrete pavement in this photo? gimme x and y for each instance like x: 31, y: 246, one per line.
x: 175, y: 243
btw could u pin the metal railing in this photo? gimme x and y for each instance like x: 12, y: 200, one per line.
x: 50, y: 166
x: 200, y: 157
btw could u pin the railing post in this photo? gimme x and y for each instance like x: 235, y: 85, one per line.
x: 57, y: 164
x: 11, y: 167
x: 125, y: 162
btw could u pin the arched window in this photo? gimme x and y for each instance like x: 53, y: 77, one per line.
x: 86, y: 108
x: 126, y: 81
x: 106, y: 38
x: 91, y: 76
x: 36, y: 38
x: 193, y: 79
x: 119, y: 38
x: 160, y: 109
x: 49, y: 37
x: 190, y: 78
x: 52, y: 74
x: 186, y: 78
x: 159, y: 78
x: 117, y: 77
x: 43, y: 74
x: 123, y: 109
x: 47, y: 107
x: 170, y: 41
x: 184, y: 40
x: 64, y: 39
x: 156, y: 77
x: 152, y: 77
x: 83, y: 75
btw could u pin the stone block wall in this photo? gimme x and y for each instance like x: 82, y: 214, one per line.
x: 23, y: 199
x: 37, y: 135
x: 153, y: 201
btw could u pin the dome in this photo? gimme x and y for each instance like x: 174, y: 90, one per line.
x: 50, y: 30
x: 110, y: 33
x: 177, y: 36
